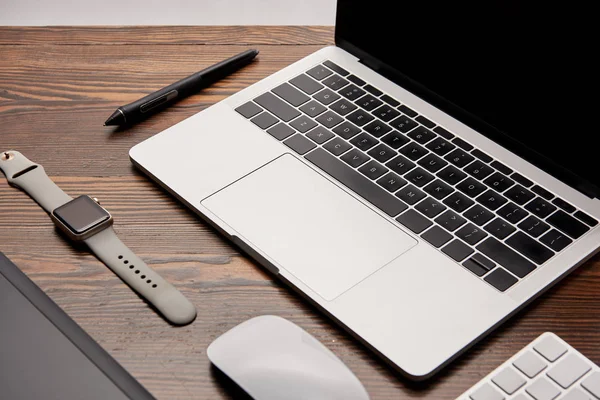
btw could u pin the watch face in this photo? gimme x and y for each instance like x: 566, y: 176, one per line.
x: 81, y: 214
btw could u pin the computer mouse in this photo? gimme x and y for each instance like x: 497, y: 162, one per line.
x: 271, y: 358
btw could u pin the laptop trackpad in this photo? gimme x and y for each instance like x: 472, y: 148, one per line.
x: 309, y: 226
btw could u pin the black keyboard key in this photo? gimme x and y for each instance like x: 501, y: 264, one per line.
x: 478, y: 170
x: 329, y: 119
x: 346, y: 130
x: 471, y: 234
x: 382, y: 153
x: 334, y: 67
x: 440, y: 146
x: 462, y: 144
x: 432, y: 163
x: 364, y: 142
x: 335, y: 82
x: 354, y: 158
x: 451, y: 175
x: 530, y: 248
x: 306, y: 84
x: 403, y: 124
x: 319, y: 72
x: 483, y: 261
x: 478, y: 215
x: 500, y: 228
x: 500, y: 279
x: 457, y: 250
x: 512, y: 213
x: 481, y: 155
x: 413, y: 151
x: 352, y: 92
x: 303, y: 124
x: 391, y: 101
x: 519, y: 194
x: 491, y: 200
x: 248, y: 109
x: 337, y: 146
x: 408, y: 111
x: 533, y: 226
x: 312, y: 108
x: 276, y: 106
x: 291, y: 94
x: 343, y: 107
x: 355, y: 79
x: 391, y: 182
x: 326, y: 96
x: 319, y: 135
x: 430, y: 207
x: 540, y: 191
x: 586, y: 218
x: 567, y: 224
x: 410, y: 194
x: 458, y: 202
x: 425, y: 122
x: 499, y: 182
x: 299, y: 144
x: 438, y: 189
x: 501, y: 167
x: 377, y: 128
x: 521, y: 179
x: 370, y: 191
x: 556, y: 240
x: 437, y: 236
x: 373, y: 90
x: 505, y: 256
x: 386, y: 113
x: 264, y: 120
x: 470, y: 187
x: 540, y: 207
x: 373, y: 170
x: 400, y: 165
x: 443, y: 132
x: 360, y: 117
x: 395, y: 139
x: 459, y: 158
x: 419, y: 177
x: 450, y: 220
x: 421, y: 135
x: 414, y: 221
x: 368, y: 102
x: 474, y: 267
x: 280, y: 131
x: 560, y: 203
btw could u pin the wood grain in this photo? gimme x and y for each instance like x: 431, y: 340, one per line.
x: 58, y: 85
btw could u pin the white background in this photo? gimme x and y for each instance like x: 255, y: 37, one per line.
x: 167, y: 12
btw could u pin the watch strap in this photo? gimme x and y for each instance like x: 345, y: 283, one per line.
x: 32, y: 178
x: 169, y: 301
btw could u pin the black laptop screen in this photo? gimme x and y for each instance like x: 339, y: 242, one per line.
x: 519, y: 72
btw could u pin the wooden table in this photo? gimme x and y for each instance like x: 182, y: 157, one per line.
x: 58, y: 85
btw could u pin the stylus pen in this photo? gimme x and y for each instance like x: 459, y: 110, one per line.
x: 142, y: 108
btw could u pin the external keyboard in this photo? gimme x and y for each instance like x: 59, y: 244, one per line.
x: 495, y: 222
x: 546, y: 369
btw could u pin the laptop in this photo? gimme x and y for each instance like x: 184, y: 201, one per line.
x: 420, y: 182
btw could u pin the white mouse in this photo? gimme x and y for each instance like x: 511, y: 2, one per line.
x: 273, y: 359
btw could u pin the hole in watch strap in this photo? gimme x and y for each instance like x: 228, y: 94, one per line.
x: 26, y: 170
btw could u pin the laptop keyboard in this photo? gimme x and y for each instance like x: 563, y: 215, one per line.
x: 495, y: 222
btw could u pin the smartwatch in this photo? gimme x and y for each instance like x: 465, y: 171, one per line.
x: 83, y: 219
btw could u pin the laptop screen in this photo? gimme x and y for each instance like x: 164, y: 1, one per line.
x: 519, y: 72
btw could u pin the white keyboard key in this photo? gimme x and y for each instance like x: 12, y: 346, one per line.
x: 576, y: 394
x: 487, y: 392
x: 592, y: 384
x: 568, y: 370
x: 543, y: 389
x: 550, y: 348
x: 530, y: 364
x: 509, y: 380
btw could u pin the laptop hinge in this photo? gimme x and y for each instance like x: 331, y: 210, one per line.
x: 375, y: 66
